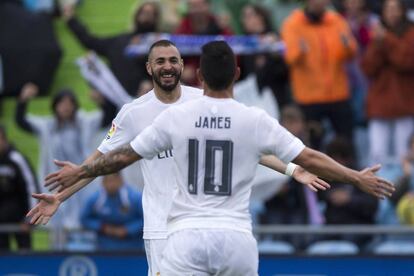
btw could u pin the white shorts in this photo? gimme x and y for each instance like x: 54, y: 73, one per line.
x: 153, y: 250
x: 210, y: 252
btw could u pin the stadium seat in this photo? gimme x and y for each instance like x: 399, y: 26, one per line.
x: 398, y: 247
x: 333, y: 247
x: 275, y: 247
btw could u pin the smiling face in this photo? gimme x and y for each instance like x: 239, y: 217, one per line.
x: 165, y: 66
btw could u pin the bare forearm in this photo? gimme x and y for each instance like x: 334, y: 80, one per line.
x: 272, y: 162
x: 69, y: 191
x: 109, y: 163
x: 322, y: 165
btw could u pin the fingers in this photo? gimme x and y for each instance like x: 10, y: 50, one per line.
x: 312, y: 187
x: 50, y: 178
x: 35, y: 217
x: 45, y: 220
x: 318, y: 186
x: 375, y: 168
x: 61, y: 163
x: 38, y: 220
x: 39, y: 196
x: 54, y: 186
x: 388, y: 186
x: 323, y: 183
x: 32, y: 211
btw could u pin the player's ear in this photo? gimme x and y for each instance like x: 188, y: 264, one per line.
x: 199, y: 76
x: 148, y: 67
x: 237, y: 73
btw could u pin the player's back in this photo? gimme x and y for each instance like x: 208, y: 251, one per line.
x: 217, y: 146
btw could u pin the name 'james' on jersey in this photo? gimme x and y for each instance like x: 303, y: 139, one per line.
x: 217, y: 146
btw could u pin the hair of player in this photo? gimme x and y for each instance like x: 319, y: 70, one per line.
x: 161, y: 43
x: 217, y: 65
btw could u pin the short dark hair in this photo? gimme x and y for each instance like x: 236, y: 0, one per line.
x: 161, y: 43
x: 217, y: 65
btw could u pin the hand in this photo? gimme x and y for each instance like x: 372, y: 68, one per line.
x: 65, y: 177
x: 114, y: 231
x: 29, y: 91
x: 374, y: 185
x: 97, y: 97
x: 68, y: 11
x: 378, y: 32
x: 44, y: 209
x: 312, y: 181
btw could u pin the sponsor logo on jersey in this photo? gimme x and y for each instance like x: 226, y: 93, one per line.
x: 111, y: 132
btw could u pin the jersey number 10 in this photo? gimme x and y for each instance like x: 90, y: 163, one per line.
x: 217, y: 179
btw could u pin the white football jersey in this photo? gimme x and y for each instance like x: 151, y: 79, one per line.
x: 217, y: 146
x: 157, y: 171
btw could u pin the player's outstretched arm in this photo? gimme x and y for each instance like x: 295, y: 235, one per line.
x: 108, y: 163
x: 299, y: 173
x: 49, y: 203
x: 324, y: 166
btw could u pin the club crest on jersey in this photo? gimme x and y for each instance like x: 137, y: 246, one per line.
x: 111, y: 132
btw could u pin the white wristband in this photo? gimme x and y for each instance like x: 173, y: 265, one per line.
x: 290, y: 168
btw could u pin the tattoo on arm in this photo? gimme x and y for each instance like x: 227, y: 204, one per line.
x: 111, y: 162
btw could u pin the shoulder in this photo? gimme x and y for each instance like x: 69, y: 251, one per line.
x: 191, y: 91
x: 296, y: 17
x: 135, y: 106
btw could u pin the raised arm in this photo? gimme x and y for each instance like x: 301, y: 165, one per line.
x: 28, y: 92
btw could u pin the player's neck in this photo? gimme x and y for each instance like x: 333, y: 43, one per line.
x: 168, y: 97
x: 219, y: 94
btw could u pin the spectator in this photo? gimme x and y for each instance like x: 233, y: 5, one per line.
x: 345, y: 204
x: 389, y: 64
x: 17, y: 183
x: 130, y: 72
x: 295, y: 203
x: 270, y: 70
x: 405, y: 182
x: 67, y: 134
x: 318, y: 45
x: 115, y: 212
x: 361, y: 21
x: 198, y: 21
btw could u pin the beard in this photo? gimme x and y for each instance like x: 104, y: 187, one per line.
x: 170, y: 86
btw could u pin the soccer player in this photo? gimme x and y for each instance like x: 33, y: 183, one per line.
x: 217, y: 145
x: 165, y: 66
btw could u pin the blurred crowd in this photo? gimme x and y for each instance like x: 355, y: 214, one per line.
x: 343, y: 84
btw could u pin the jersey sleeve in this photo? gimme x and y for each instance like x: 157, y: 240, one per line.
x: 275, y: 139
x: 120, y: 132
x: 155, y: 138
